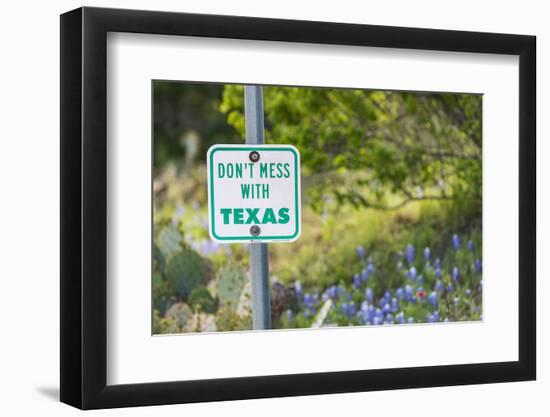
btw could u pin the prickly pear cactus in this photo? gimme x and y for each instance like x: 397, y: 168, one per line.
x: 201, y: 300
x: 184, y: 272
x: 229, y: 284
x: 182, y: 314
x: 162, y: 293
x: 244, y: 307
x: 203, y: 322
x: 169, y: 240
x: 158, y: 259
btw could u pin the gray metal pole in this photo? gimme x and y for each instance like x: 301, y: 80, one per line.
x: 261, y: 306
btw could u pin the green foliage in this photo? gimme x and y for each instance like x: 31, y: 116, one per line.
x: 202, y: 300
x: 228, y: 320
x: 184, y: 272
x: 413, y: 146
x: 182, y: 315
x: 163, y: 325
x: 187, y: 121
x: 169, y: 240
x: 380, y: 170
x: 298, y: 321
x: 230, y: 283
x: 163, y: 294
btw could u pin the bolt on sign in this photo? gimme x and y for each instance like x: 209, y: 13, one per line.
x: 254, y: 193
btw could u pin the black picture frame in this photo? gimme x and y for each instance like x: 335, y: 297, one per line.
x: 84, y: 207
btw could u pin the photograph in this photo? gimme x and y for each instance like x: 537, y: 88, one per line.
x: 302, y: 207
x: 269, y: 209
x: 383, y: 223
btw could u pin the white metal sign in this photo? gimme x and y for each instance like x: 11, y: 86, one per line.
x: 254, y: 193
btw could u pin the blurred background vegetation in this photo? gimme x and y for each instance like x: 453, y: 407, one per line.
x: 392, y: 204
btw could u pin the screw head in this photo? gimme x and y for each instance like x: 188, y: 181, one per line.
x: 254, y: 156
x: 255, y: 230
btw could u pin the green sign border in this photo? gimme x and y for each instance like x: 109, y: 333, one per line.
x: 261, y: 149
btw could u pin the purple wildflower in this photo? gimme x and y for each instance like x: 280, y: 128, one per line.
x: 410, y: 253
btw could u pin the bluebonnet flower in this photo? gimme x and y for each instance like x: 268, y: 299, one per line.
x: 438, y: 272
x: 394, y: 305
x: 370, y: 267
x: 369, y: 295
x: 386, y: 309
x: 400, y: 318
x: 432, y: 298
x: 307, y: 313
x: 412, y: 273
x: 420, y: 279
x: 410, y: 253
x: 332, y: 293
x: 178, y: 213
x: 456, y: 274
x: 307, y: 299
x: 364, y: 275
x: 433, y: 317
x: 456, y: 241
x: 352, y: 310
x: 410, y: 320
x: 361, y: 252
x: 387, y: 295
x: 371, y: 312
x: 377, y: 320
x: 427, y: 253
x: 356, y: 281
x: 298, y: 289
x: 408, y: 292
x: 207, y: 247
x: 344, y: 308
x: 470, y: 245
x: 204, y: 222
x: 399, y: 293
x: 325, y: 296
x: 438, y: 285
x: 365, y: 314
x: 449, y: 287
x: 437, y: 263
x: 477, y: 265
x: 389, y: 319
x: 413, y: 300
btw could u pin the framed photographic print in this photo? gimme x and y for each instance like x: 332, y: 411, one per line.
x: 257, y: 207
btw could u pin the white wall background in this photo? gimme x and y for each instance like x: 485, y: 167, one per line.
x: 29, y: 207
